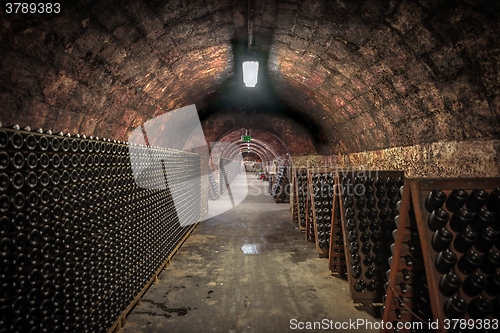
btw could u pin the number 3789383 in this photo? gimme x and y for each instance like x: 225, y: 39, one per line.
x: 32, y: 8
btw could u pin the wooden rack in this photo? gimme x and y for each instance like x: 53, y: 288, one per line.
x: 300, y: 197
x: 321, y: 187
x: 373, y: 292
x: 336, y: 257
x: 415, y: 213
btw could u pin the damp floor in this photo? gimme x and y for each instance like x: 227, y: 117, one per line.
x: 248, y: 269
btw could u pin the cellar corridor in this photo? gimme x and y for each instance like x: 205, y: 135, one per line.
x: 248, y: 270
x: 367, y: 134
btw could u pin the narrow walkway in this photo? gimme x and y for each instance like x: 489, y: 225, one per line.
x: 247, y: 270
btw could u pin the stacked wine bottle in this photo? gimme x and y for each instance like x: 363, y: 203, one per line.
x: 463, y: 227
x: 336, y: 257
x: 321, y: 205
x: 310, y: 235
x: 407, y: 297
x: 229, y: 169
x: 281, y: 188
x: 79, y: 238
x: 301, y: 197
x: 213, y: 191
x: 369, y: 206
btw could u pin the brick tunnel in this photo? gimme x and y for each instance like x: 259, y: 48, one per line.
x: 406, y: 85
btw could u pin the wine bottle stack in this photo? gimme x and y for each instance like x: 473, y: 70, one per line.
x: 337, y: 262
x: 322, y: 203
x: 271, y: 182
x: 213, y: 191
x: 369, y: 206
x: 407, y: 297
x: 85, y: 224
x: 229, y: 169
x: 463, y: 227
x: 281, y: 188
x: 310, y: 236
x: 295, y: 207
x: 301, y: 197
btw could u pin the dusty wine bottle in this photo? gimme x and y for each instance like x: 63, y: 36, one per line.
x: 441, y: 239
x: 491, y: 261
x: 445, y: 261
x: 456, y: 200
x: 469, y: 262
x: 465, y: 240
x: 455, y: 307
x: 480, y: 307
x: 476, y: 200
x: 474, y: 284
x: 461, y: 219
x: 435, y: 200
x: 438, y: 219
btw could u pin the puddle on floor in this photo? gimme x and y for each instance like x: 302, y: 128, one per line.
x: 251, y: 248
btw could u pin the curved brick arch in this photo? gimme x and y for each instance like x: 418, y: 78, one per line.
x: 338, y: 76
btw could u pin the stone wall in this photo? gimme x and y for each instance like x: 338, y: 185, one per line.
x: 472, y: 158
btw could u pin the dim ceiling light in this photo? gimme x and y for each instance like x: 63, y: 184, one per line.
x: 250, y: 73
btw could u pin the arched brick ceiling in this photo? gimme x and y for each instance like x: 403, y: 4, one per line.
x: 350, y: 75
x: 268, y: 146
x: 255, y: 148
x: 268, y: 141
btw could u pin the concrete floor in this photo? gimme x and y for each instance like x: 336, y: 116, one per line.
x: 247, y: 270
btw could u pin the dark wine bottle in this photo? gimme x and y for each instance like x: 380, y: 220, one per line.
x: 355, y: 259
x: 360, y: 285
x: 350, y: 224
x: 352, y: 236
x: 456, y: 200
x: 476, y: 200
x: 465, y: 240
x: 362, y: 213
x: 483, y: 219
x: 376, y: 235
x: 349, y: 213
x: 375, y: 224
x: 474, y: 284
x: 435, y: 200
x: 491, y: 261
x: 441, y: 239
x: 360, y: 203
x: 353, y: 247
x: 363, y: 225
x: 365, y: 236
x: 445, y: 261
x: 469, y: 262
x: 356, y: 271
x: 369, y: 259
x: 438, y: 219
x: 366, y: 247
x: 461, y: 219
x: 382, y: 203
x: 480, y: 307
x: 455, y: 307
x: 449, y: 284
x: 348, y: 202
x: 371, y: 202
x: 487, y: 239
x: 371, y: 272
x: 408, y: 259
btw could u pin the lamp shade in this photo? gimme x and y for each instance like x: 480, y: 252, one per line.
x: 250, y: 73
